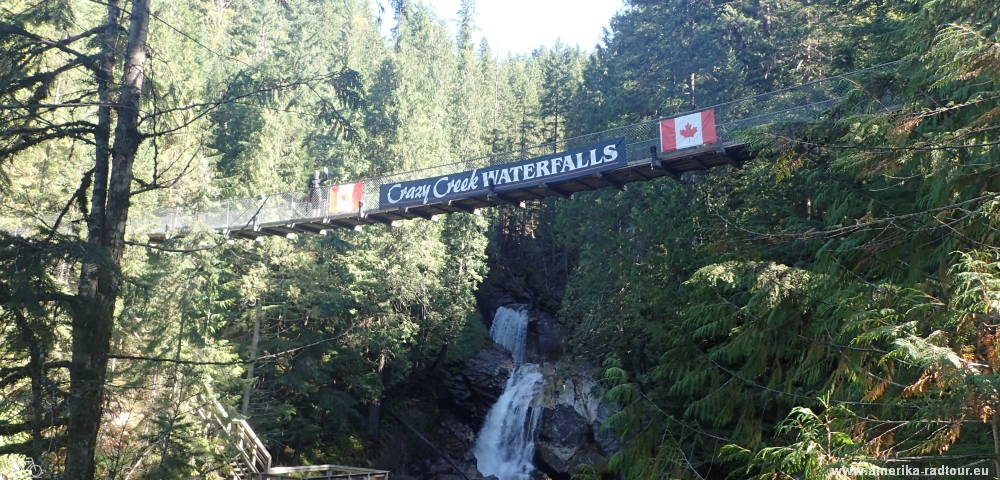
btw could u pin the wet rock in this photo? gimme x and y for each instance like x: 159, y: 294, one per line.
x: 479, y: 384
x: 472, y: 472
x: 393, y: 476
x: 441, y: 466
x: 570, y: 434
x: 606, y: 440
x: 457, y: 437
x: 545, y: 337
x: 563, y: 441
x: 563, y: 429
x: 516, y: 287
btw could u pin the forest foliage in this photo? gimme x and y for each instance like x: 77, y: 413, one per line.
x: 833, y: 303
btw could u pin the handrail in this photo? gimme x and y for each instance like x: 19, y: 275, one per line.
x: 250, y: 451
x: 322, y: 468
x: 324, y: 471
x: 345, y: 476
x: 256, y: 457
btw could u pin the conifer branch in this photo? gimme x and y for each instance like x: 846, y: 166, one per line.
x: 835, y: 232
x: 10, y: 429
x: 234, y: 362
x: 670, y: 417
x: 175, y: 361
x: 11, y: 375
x: 62, y: 45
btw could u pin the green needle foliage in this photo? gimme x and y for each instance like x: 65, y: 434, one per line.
x: 831, y: 304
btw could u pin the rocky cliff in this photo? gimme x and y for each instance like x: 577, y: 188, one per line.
x: 570, y: 432
x: 479, y: 384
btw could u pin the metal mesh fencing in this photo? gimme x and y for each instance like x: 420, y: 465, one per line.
x: 794, y: 104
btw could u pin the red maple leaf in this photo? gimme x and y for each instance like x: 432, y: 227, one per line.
x: 689, y: 131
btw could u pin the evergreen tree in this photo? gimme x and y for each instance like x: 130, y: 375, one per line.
x: 561, y: 77
x: 821, y: 306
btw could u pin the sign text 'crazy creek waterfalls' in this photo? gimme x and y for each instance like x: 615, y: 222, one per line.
x: 586, y: 160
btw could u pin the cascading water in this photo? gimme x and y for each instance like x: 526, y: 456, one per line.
x: 506, y: 443
x: 510, y: 329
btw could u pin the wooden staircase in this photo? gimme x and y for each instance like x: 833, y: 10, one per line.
x: 249, y: 459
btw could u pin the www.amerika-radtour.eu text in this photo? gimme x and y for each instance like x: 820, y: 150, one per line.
x: 907, y: 471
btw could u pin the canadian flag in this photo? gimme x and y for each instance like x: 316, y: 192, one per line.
x: 346, y: 198
x: 687, y: 131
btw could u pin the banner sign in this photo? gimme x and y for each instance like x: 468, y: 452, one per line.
x: 688, y: 131
x: 594, y: 158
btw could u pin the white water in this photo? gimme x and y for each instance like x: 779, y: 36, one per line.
x: 510, y: 329
x: 506, y: 443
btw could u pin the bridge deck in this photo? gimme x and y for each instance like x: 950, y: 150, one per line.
x: 672, y: 164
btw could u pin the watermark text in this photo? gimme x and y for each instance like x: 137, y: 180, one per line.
x: 908, y: 471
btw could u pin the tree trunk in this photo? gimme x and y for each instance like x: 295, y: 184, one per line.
x: 253, y: 356
x: 374, y: 408
x: 93, y: 319
x: 102, y: 134
x: 691, y: 90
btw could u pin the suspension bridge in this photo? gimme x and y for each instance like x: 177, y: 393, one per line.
x: 641, y: 152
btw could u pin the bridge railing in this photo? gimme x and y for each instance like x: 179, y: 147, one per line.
x: 323, y: 471
x: 793, y: 104
x: 285, y: 207
x: 798, y: 103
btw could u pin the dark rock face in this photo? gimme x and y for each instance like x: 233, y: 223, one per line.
x: 564, y: 431
x: 442, y: 470
x: 565, y: 441
x: 570, y: 433
x: 545, y: 336
x: 459, y: 437
x: 479, y: 384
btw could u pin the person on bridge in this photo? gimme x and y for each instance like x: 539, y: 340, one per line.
x: 315, y: 196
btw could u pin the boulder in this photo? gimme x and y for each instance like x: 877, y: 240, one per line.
x: 569, y: 433
x: 606, y: 440
x: 563, y: 439
x: 479, y: 384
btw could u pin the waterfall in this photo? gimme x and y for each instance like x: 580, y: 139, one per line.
x: 506, y: 444
x: 510, y: 329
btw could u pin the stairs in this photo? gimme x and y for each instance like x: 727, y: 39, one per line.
x: 238, y: 471
x: 250, y: 460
